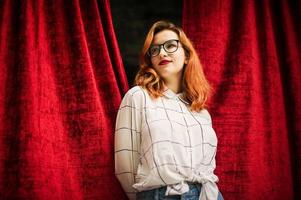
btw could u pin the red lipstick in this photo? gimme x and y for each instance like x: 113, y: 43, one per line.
x: 164, y: 62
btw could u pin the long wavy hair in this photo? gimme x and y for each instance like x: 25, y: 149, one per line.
x: 195, y: 86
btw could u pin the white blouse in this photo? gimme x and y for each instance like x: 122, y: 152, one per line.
x: 162, y: 143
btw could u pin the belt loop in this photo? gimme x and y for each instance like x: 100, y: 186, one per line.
x: 157, y: 194
x: 199, y: 186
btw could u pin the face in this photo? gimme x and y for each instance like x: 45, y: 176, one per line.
x: 168, y: 65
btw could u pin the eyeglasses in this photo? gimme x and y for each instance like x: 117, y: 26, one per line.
x: 169, y: 46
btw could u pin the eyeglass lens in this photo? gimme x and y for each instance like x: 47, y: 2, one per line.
x: 169, y: 46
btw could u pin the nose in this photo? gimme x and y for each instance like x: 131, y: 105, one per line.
x: 162, y: 51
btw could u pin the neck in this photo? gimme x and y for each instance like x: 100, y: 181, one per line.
x: 175, y: 84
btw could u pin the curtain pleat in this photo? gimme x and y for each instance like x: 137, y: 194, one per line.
x: 61, y: 82
x: 251, y: 54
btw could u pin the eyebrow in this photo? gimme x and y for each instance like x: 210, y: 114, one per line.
x: 163, y: 42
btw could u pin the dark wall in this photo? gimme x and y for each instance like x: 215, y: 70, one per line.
x: 132, y: 20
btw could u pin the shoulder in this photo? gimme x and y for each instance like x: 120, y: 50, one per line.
x: 135, y: 94
x: 205, y: 114
x: 135, y: 91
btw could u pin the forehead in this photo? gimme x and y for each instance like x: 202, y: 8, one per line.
x: 164, y: 35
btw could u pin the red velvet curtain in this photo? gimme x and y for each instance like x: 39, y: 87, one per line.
x: 251, y: 54
x: 61, y: 82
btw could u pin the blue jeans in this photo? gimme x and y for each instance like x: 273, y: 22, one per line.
x: 159, y: 194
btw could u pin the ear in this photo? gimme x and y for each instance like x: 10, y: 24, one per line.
x: 186, y: 57
x: 186, y: 60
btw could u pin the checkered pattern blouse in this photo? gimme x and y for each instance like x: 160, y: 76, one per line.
x: 162, y: 143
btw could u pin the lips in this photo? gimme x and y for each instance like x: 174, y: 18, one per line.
x: 164, y: 62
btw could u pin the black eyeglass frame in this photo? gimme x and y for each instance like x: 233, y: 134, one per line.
x: 162, y: 45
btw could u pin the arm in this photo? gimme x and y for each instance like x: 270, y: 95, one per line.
x: 127, y: 143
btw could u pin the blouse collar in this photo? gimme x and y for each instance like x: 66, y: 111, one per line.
x: 168, y: 93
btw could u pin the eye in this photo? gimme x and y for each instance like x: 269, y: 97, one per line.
x: 154, y: 50
x: 171, y: 46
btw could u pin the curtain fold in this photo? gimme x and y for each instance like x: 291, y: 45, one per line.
x: 61, y: 82
x: 251, y: 54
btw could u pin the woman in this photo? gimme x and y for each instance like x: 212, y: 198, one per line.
x: 165, y: 145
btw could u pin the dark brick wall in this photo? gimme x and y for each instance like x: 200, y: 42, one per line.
x: 132, y: 19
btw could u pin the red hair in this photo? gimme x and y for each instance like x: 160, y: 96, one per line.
x: 195, y: 85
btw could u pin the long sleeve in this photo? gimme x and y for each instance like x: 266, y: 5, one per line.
x: 127, y: 142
